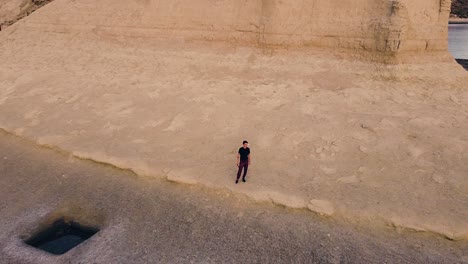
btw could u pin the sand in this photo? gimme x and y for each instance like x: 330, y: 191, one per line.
x: 344, y: 138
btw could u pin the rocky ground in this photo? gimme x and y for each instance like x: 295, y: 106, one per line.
x: 354, y: 140
x: 146, y: 220
x: 365, y: 141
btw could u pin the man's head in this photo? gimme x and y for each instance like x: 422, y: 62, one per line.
x: 245, y: 143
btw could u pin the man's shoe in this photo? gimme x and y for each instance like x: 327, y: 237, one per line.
x: 243, y: 180
x: 237, y: 181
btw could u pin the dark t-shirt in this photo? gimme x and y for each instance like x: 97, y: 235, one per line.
x: 244, y: 154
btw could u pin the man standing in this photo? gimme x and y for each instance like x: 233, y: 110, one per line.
x: 243, y: 160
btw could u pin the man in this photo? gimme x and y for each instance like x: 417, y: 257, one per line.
x: 243, y: 160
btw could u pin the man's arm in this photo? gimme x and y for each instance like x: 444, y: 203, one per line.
x: 238, y: 159
x: 249, y: 158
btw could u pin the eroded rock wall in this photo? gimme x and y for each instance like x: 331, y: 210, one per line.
x: 385, y: 27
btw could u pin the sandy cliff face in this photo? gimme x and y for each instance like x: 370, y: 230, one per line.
x: 379, y: 30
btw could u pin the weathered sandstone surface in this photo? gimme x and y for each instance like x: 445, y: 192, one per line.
x: 14, y: 10
x: 11, y: 9
x: 338, y: 123
x: 398, y: 27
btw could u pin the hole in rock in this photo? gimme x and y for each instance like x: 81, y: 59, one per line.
x: 463, y: 63
x: 61, y: 236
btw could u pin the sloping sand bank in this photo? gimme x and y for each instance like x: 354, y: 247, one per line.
x: 351, y: 139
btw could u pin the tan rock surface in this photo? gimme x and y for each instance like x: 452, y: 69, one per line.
x: 380, y: 29
x: 144, y: 85
x: 147, y: 220
x: 14, y: 10
x: 10, y: 9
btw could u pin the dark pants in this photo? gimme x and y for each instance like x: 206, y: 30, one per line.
x: 245, y: 166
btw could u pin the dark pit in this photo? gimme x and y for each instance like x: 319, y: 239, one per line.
x: 463, y: 63
x: 61, y: 237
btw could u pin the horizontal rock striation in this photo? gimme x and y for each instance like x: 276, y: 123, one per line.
x: 380, y: 30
